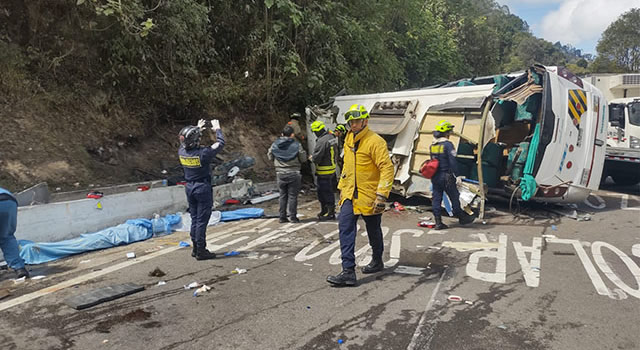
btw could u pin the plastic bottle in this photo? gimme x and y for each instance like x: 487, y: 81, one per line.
x: 158, y: 225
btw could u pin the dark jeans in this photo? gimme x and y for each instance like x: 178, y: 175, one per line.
x: 326, y: 186
x: 289, y: 184
x: 445, y: 182
x: 200, y: 198
x: 8, y: 242
x: 347, y: 224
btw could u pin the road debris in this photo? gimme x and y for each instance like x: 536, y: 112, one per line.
x: 184, y: 244
x: 201, y: 290
x: 156, y: 273
x: 85, y: 261
x: 192, y: 285
x: 101, y: 295
x: 39, y: 277
x: 19, y: 280
x: 95, y: 195
x: 409, y: 270
x: 502, y: 326
x: 454, y: 298
x: 397, y: 206
x: 231, y: 253
x: 131, y: 255
x: 239, y: 271
x: 161, y: 283
x: 264, y: 198
x: 428, y: 224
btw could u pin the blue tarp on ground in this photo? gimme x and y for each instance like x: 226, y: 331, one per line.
x: 129, y: 232
x: 132, y: 231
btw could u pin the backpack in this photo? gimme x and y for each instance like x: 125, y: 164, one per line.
x: 429, y: 168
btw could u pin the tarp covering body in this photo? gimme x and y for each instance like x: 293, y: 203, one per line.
x: 129, y: 232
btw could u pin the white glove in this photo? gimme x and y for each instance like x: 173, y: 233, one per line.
x: 201, y: 123
x: 459, y: 180
x: 215, y: 124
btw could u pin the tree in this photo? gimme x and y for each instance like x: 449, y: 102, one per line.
x: 620, y: 42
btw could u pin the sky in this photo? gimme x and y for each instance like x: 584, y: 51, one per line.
x: 576, y: 22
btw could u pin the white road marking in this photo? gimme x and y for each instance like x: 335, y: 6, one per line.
x: 635, y: 250
x: 80, y: 279
x: 596, y: 250
x: 624, y: 203
x: 423, y: 319
x: 500, y: 255
x: 596, y: 280
x: 530, y: 269
x: 304, y: 255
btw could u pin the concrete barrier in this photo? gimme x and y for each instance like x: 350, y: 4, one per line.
x: 63, y: 220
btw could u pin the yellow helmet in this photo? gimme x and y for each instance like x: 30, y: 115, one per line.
x: 317, y: 126
x: 444, y: 126
x: 356, y: 112
x: 341, y: 128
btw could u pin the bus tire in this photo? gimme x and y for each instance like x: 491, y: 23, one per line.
x: 625, y: 179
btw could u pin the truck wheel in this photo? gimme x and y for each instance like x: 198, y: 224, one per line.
x: 624, y: 179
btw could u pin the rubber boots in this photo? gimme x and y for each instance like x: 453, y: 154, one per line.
x: 323, y: 212
x: 331, y: 213
x: 344, y: 278
x: 439, y: 224
x: 376, y: 265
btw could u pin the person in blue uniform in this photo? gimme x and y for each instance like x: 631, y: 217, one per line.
x: 445, y: 179
x: 8, y: 242
x: 196, y: 162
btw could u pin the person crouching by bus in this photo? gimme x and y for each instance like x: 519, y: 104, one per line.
x: 324, y: 156
x: 196, y: 162
x: 288, y: 156
x: 445, y: 180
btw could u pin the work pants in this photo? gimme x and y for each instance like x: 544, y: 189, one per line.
x: 347, y: 225
x: 8, y: 242
x: 289, y: 185
x: 200, y: 198
x: 326, y: 187
x: 445, y: 182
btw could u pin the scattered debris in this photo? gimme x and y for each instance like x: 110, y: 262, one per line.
x: 101, y: 295
x: 161, y: 283
x: 105, y: 341
x: 95, y: 194
x: 156, y: 273
x: 85, y: 261
x: 143, y: 188
x: 264, y: 198
x: 99, y: 206
x: 549, y: 236
x: 239, y: 271
x: 192, y: 285
x: 340, y: 341
x: 468, y: 302
x: 201, y: 290
x: 184, y: 244
x: 253, y: 255
x: 19, y: 280
x: 502, y: 326
x: 586, y: 217
x: 454, y: 298
x: 409, y: 270
x: 307, y: 264
x: 429, y: 224
x: 554, y: 227
x: 398, y: 207
x: 131, y: 255
x: 39, y: 277
x: 231, y: 201
x: 231, y: 253
x: 434, y: 247
x: 484, y: 222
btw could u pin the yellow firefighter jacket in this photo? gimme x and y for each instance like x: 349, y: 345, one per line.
x: 367, y: 170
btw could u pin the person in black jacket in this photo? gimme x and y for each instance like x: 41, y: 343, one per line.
x: 324, y: 156
x: 196, y: 162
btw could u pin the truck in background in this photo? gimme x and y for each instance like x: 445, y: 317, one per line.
x: 622, y: 159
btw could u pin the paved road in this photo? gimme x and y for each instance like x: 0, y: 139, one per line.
x: 536, y: 281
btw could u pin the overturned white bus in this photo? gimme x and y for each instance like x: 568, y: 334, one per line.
x: 545, y: 124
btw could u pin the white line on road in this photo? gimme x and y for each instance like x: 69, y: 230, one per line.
x: 417, y: 333
x: 80, y: 279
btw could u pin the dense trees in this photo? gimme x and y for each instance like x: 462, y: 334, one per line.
x: 619, y: 47
x: 262, y: 55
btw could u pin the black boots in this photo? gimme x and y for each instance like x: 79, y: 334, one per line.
x: 22, y: 272
x: 439, y: 224
x: 344, y: 278
x: 330, y: 212
x: 194, y: 250
x: 323, y: 211
x: 376, y: 265
x: 203, y: 254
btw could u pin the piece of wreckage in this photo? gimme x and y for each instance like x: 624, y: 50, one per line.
x: 540, y: 134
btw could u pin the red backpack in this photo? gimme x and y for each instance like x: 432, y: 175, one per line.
x: 429, y: 168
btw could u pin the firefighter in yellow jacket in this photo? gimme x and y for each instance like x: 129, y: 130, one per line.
x: 364, y: 186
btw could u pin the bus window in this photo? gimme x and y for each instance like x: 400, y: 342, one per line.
x: 616, y: 115
x: 634, y: 113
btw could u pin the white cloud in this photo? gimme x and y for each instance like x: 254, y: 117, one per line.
x: 577, y: 21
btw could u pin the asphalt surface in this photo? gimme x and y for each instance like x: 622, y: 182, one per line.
x: 538, y: 280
